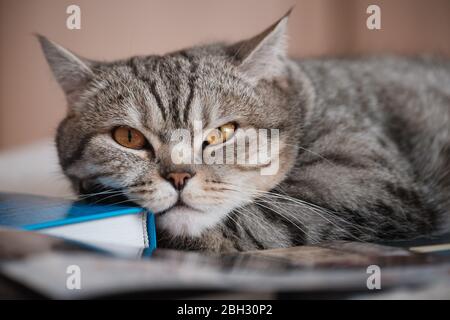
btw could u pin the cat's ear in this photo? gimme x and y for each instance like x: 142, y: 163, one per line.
x: 70, y: 70
x: 263, y: 56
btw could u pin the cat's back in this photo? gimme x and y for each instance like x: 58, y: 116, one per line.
x: 409, y: 97
x: 406, y: 99
x: 376, y: 74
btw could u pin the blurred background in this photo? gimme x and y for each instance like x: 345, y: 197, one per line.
x: 31, y: 103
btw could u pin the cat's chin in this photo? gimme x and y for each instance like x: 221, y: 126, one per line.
x: 183, y: 220
x: 179, y: 205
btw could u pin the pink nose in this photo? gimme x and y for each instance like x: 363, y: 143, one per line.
x: 178, y: 179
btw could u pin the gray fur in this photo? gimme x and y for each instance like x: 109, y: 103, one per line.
x: 365, y: 142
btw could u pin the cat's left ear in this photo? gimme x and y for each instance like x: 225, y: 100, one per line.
x: 70, y: 70
x: 263, y: 56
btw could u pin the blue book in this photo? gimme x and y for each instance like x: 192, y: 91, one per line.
x: 107, y: 226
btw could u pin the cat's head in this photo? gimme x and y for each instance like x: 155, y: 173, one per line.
x: 123, y: 121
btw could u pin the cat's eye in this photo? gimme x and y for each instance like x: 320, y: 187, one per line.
x: 129, y: 137
x: 221, y: 134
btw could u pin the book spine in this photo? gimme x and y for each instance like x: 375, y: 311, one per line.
x: 151, y: 233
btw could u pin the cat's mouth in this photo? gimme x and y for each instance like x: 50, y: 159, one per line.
x: 180, y: 204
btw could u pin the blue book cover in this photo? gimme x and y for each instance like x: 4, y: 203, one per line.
x: 35, y: 213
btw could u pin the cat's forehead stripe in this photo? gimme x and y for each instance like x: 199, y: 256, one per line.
x: 141, y: 73
x: 171, y: 91
x: 191, y: 82
x: 171, y: 81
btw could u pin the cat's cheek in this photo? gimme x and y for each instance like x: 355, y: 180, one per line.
x: 157, y: 201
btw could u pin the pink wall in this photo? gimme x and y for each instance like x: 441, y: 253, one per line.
x: 31, y: 104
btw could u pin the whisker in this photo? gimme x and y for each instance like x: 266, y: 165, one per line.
x: 319, y: 213
x: 272, y: 196
x: 312, y: 152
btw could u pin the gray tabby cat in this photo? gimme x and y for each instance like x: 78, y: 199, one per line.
x: 364, y: 143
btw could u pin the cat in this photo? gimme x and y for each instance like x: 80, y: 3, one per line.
x: 364, y: 143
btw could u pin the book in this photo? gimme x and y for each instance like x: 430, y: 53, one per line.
x: 111, y: 227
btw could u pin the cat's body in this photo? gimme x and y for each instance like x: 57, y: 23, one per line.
x: 364, y: 144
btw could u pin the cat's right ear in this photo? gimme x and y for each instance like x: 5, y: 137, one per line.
x: 70, y: 70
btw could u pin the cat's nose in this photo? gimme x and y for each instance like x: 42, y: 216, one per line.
x: 178, y: 179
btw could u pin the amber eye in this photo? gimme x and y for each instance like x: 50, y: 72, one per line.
x: 129, y: 137
x: 221, y: 134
